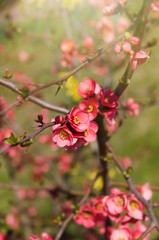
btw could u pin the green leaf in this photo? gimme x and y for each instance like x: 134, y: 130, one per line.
x: 11, y: 140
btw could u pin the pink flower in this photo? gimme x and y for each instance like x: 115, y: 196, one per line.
x: 67, y: 60
x: 126, y: 46
x: 12, y: 221
x: 2, y: 236
x: 146, y: 191
x: 138, y: 229
x: 110, y: 115
x: 67, y: 46
x: 126, y: 161
x: 117, y: 48
x: 132, y: 107
x: 123, y: 233
x: 116, y: 204
x: 88, y: 43
x: 62, y: 135
x: 90, y: 133
x: 108, y: 99
x: 98, y: 89
x: 78, y: 119
x: 135, y: 208
x: 23, y: 56
x: 90, y: 106
x: 87, y: 88
x: 137, y: 59
x: 112, y: 128
x: 65, y: 163
x: 46, y: 236
x: 134, y: 40
x: 98, y: 207
x: 122, y: 2
x: 154, y: 7
x: 110, y: 9
x: 33, y: 237
x: 85, y: 217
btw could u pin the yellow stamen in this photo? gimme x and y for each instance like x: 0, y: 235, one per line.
x: 134, y: 205
x: 120, y: 202
x: 63, y: 134
x: 76, y: 120
x: 89, y: 108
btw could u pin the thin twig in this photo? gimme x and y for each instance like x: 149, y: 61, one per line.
x: 83, y: 200
x: 33, y: 99
x: 30, y: 137
x: 133, y: 189
x: 147, y: 231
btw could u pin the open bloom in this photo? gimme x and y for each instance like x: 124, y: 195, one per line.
x: 90, y: 106
x: 90, y: 133
x: 62, y: 135
x: 78, y: 119
x: 116, y: 203
x: 123, y: 233
x: 87, y: 88
x: 85, y: 217
x: 67, y: 46
x: 137, y: 59
x: 135, y: 208
x: 108, y: 99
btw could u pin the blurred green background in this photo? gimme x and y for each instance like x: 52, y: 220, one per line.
x: 38, y: 27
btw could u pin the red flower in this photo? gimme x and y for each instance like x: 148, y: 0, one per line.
x: 78, y: 119
x: 90, y: 106
x: 62, y: 135
x: 110, y: 115
x: 90, y: 133
x: 87, y: 88
x: 137, y: 59
x: 108, y: 99
x: 85, y: 217
x: 67, y: 46
x: 135, y: 208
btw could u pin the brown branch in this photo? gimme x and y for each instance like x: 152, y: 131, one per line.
x: 53, y: 189
x: 30, y: 137
x: 83, y: 200
x: 125, y: 185
x: 82, y: 65
x: 147, y: 231
x: 5, y: 111
x: 33, y: 99
x: 139, y: 32
x: 132, y: 188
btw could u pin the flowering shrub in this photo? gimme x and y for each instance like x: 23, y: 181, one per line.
x: 72, y: 174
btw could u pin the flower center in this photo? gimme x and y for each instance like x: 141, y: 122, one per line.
x: 134, y: 205
x: 86, y: 215
x: 89, y: 108
x: 99, y: 206
x: 107, y: 99
x: 121, y: 238
x: 76, y: 120
x: 85, y: 133
x: 87, y: 90
x: 120, y: 202
x: 63, y: 134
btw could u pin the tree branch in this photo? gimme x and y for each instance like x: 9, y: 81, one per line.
x: 133, y: 189
x: 33, y: 99
x: 28, y: 138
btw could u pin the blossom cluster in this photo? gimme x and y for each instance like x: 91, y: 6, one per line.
x: 119, y: 207
x: 78, y: 126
